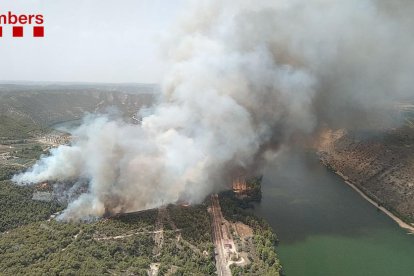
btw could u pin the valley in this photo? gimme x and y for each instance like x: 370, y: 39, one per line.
x: 171, y: 240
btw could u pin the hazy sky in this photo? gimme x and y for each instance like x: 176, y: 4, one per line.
x: 94, y: 40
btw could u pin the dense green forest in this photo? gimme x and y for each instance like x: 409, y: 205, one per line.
x: 57, y: 248
x: 189, y: 251
x: 123, y: 244
x: 18, y: 208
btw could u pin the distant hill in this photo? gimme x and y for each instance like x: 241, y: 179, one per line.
x: 47, y: 104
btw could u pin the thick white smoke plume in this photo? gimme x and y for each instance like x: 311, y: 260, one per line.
x: 245, y: 75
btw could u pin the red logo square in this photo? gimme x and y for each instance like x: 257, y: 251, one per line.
x: 1, y: 31
x: 17, y: 31
x: 38, y: 31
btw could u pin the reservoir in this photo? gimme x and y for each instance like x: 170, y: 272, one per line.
x: 67, y: 126
x: 325, y: 228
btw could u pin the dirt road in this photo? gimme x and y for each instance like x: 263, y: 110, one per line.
x: 221, y: 262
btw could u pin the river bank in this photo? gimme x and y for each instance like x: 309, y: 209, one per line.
x: 394, y: 217
x: 324, y: 227
x: 380, y: 178
x: 400, y: 221
x: 379, y: 163
x: 403, y: 224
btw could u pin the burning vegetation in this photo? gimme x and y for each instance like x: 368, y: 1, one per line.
x: 244, y: 82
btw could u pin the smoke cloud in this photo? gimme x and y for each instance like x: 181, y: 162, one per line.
x: 246, y: 76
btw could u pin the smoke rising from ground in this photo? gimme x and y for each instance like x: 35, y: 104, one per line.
x: 244, y: 75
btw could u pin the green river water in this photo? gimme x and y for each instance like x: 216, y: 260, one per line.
x: 326, y: 228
